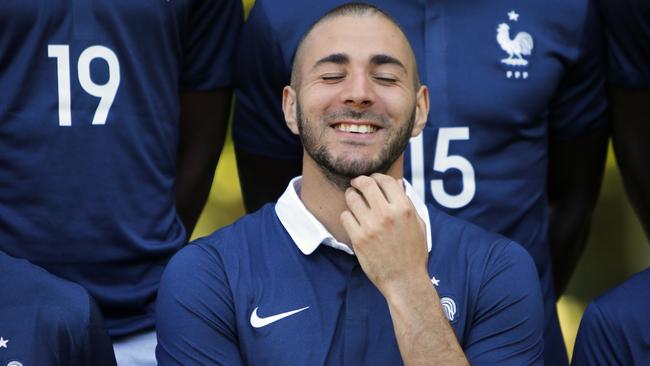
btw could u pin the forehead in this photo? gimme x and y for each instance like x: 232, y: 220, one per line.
x: 359, y: 37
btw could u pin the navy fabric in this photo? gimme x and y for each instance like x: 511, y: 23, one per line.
x: 211, y: 288
x: 615, y: 328
x: 94, y: 202
x: 627, y: 23
x: 45, y: 320
x: 487, y: 108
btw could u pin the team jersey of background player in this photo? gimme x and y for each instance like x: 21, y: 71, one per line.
x: 89, y: 110
x: 615, y: 328
x: 47, y: 321
x: 216, y: 292
x: 628, y: 36
x: 494, y: 106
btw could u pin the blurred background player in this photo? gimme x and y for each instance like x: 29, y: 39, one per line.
x: 516, y: 136
x: 112, y: 117
x: 45, y: 320
x: 628, y: 38
x: 615, y: 329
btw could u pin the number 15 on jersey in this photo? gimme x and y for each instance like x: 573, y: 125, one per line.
x: 443, y: 161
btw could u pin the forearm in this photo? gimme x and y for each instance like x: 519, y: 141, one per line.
x: 423, y: 333
x: 203, y: 127
x: 568, y: 232
x: 576, y: 169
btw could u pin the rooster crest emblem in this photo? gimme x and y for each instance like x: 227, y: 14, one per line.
x: 516, y: 48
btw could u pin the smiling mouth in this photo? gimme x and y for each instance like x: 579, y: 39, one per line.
x: 355, y: 128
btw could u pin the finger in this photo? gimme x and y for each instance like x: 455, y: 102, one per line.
x: 350, y: 224
x: 357, y: 204
x: 370, y: 191
x: 391, y: 188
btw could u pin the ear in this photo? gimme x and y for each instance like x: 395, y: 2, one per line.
x: 289, y: 108
x: 421, y: 110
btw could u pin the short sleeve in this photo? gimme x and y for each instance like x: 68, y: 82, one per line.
x: 195, y: 317
x: 579, y: 104
x: 627, y: 25
x: 596, y: 341
x: 212, y: 31
x: 508, y: 322
x: 261, y: 72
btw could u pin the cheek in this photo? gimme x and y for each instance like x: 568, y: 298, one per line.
x: 397, y: 103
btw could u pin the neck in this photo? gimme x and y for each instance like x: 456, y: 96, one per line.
x: 326, y: 200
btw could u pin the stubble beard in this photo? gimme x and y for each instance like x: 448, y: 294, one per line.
x: 340, y: 171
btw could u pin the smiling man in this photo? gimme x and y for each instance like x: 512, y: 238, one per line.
x: 350, y: 267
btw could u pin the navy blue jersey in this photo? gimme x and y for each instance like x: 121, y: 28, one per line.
x: 251, y: 294
x: 615, y: 328
x: 45, y: 320
x: 89, y: 121
x: 504, y: 78
x: 627, y: 23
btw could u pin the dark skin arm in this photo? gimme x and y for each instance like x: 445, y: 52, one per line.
x: 263, y: 179
x: 631, y: 140
x: 576, y: 169
x: 203, y: 126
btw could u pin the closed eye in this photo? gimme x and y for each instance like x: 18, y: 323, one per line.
x: 332, y: 77
x: 386, y: 79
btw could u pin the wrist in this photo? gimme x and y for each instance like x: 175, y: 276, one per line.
x: 408, y: 289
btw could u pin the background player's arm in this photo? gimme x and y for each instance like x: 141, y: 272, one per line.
x: 263, y: 179
x: 389, y: 240
x: 268, y: 154
x: 576, y: 169
x: 577, y: 148
x: 630, y: 112
x: 203, y: 126
x: 205, y: 92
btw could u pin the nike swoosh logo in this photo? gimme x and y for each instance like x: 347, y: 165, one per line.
x: 258, y: 322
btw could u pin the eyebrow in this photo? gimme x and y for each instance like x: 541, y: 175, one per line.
x: 382, y: 59
x: 335, y: 58
x: 342, y: 59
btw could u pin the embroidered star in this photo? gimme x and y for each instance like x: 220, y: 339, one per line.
x: 512, y: 15
x: 3, y: 342
x: 435, y: 281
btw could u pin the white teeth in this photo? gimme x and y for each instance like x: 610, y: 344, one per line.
x: 355, y: 128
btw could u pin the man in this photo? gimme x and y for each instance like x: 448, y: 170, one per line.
x: 112, y: 117
x: 350, y: 266
x: 45, y: 320
x: 508, y: 133
x: 615, y: 328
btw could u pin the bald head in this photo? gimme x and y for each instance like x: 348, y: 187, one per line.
x: 355, y: 10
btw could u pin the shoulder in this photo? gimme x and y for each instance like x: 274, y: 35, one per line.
x: 68, y: 304
x: 615, y: 325
x: 625, y: 306
x: 488, y: 260
x: 226, y: 247
x: 455, y: 234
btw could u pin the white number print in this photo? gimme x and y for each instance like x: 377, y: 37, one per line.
x: 442, y: 162
x: 106, y: 92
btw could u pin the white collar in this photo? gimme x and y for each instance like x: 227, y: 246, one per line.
x: 308, y: 233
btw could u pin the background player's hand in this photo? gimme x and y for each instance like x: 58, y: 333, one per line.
x: 387, y: 235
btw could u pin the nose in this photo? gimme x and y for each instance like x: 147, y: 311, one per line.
x: 358, y: 91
